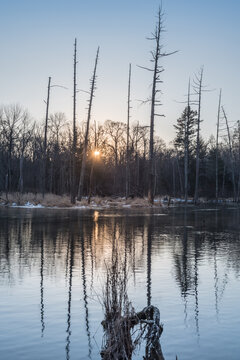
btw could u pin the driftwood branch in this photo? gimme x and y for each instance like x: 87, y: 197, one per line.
x: 118, y: 334
x: 124, y: 328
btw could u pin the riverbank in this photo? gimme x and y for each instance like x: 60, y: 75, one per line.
x: 31, y: 200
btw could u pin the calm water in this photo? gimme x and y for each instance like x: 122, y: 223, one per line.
x: 52, y: 273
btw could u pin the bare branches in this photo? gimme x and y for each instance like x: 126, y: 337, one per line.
x: 157, y: 69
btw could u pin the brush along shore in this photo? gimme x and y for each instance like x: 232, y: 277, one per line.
x: 35, y: 200
x: 52, y: 200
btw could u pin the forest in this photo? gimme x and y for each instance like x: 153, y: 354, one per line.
x: 22, y: 151
x: 121, y: 159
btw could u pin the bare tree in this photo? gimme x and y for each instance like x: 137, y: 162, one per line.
x: 115, y: 146
x: 198, y: 86
x: 186, y: 146
x: 45, y: 138
x: 231, y: 154
x: 11, y: 118
x: 139, y: 146
x: 92, y: 90
x: 25, y: 136
x: 157, y: 54
x: 57, y: 141
x: 238, y: 140
x: 128, y: 118
x: 218, y: 120
x: 57, y: 123
x: 74, y: 139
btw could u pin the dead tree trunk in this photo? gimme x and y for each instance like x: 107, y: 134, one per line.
x: 198, y: 87
x: 136, y: 191
x: 223, y: 178
x: 218, y: 119
x: 9, y: 162
x: 74, y: 140
x: 93, y: 88
x: 231, y: 155
x: 157, y: 54
x: 21, y: 173
x: 173, y: 177
x: 128, y: 118
x: 179, y: 174
x: 90, y: 183
x: 156, y: 73
x: 238, y: 188
x: 120, y: 319
x: 186, y: 146
x: 45, y: 140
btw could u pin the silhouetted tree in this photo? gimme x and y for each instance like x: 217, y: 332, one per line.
x: 74, y: 135
x: 184, y: 140
x: 93, y: 88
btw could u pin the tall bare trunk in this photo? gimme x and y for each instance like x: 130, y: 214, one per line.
x: 21, y: 173
x: 137, y: 162
x: 128, y: 118
x: 156, y: 72
x: 231, y: 155
x: 74, y: 142
x: 180, y: 175
x: 8, y: 179
x: 173, y: 177
x: 223, y: 178
x: 218, y: 119
x: 45, y: 139
x: 238, y: 189
x: 198, y: 135
x: 93, y: 87
x: 186, y: 146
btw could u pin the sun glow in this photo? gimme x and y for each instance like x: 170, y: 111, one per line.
x: 96, y: 153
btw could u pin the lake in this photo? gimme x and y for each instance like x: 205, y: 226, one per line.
x: 53, y: 271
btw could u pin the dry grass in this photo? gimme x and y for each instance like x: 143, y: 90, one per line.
x: 114, y: 203
x: 56, y: 200
x: 36, y: 199
x: 52, y: 200
x: 138, y: 202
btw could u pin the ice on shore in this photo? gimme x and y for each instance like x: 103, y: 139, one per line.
x: 28, y: 205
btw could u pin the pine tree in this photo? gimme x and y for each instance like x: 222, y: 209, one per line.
x: 185, y: 131
x: 184, y: 140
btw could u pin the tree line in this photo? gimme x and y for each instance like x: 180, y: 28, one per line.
x: 22, y: 154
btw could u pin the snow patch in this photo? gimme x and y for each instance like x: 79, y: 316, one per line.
x: 28, y: 205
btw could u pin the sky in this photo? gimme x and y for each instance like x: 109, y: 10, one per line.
x: 37, y: 40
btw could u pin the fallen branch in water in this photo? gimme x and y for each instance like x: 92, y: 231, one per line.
x: 120, y: 338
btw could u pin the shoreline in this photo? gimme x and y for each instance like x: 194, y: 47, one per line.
x: 51, y: 201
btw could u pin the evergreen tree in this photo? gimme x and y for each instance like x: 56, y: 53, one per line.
x: 185, y: 131
x: 184, y: 141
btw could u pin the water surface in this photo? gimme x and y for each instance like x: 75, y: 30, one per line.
x: 52, y: 273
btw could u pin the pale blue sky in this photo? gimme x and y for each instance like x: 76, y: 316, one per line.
x: 37, y: 39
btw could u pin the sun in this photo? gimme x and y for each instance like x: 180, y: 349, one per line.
x: 96, y: 153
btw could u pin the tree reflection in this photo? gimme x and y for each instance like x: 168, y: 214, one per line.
x: 182, y: 266
x: 71, y: 240
x: 49, y: 245
x: 41, y: 287
x: 85, y: 297
x: 149, y: 264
